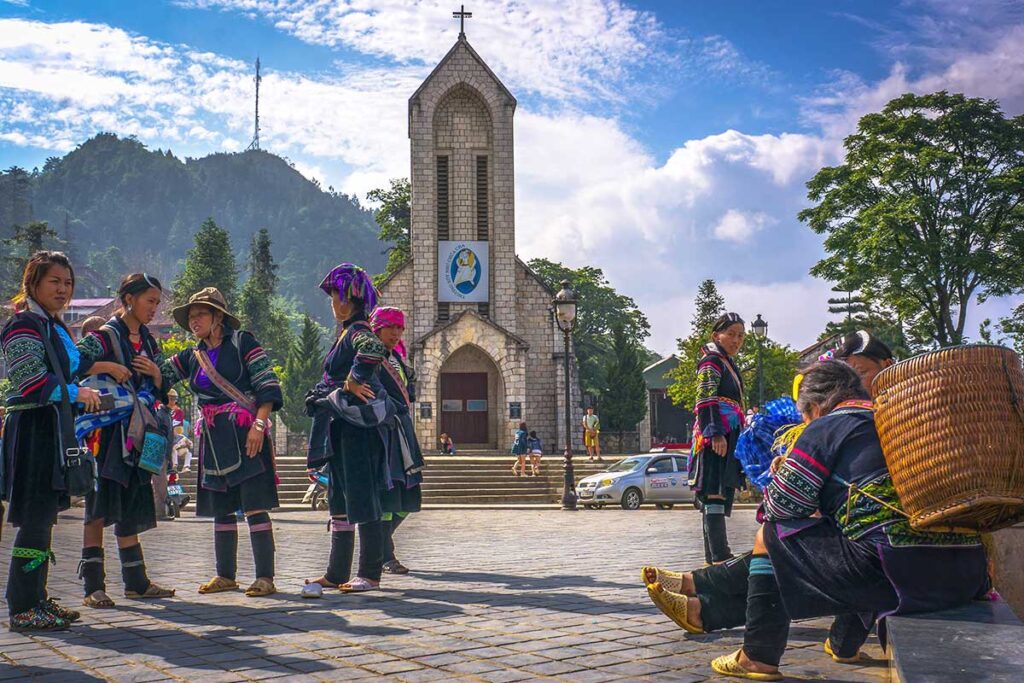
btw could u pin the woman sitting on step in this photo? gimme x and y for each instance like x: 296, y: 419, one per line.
x: 858, y: 556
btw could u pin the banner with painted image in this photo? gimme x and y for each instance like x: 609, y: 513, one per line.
x: 462, y: 271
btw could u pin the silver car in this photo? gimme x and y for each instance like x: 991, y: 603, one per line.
x: 658, y: 478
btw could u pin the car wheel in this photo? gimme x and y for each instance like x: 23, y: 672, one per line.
x: 632, y: 499
x: 665, y: 506
x: 587, y: 506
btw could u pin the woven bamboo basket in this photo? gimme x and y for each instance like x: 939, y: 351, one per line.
x: 951, y: 423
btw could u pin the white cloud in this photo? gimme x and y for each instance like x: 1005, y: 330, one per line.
x: 588, y: 192
x: 739, y: 226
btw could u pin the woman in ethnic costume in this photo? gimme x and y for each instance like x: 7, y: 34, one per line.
x: 715, y: 473
x: 124, y: 492
x: 402, y: 495
x: 860, y: 556
x: 350, y: 407
x: 236, y: 389
x: 31, y: 469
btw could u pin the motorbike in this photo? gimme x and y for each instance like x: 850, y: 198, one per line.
x: 316, y: 494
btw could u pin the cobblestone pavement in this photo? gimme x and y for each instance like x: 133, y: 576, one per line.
x: 495, y: 595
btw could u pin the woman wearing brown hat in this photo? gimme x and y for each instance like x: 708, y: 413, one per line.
x: 236, y: 389
x: 123, y: 496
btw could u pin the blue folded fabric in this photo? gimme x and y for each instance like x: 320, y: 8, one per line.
x: 754, y: 448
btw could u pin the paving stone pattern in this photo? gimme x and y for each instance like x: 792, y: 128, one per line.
x: 495, y: 596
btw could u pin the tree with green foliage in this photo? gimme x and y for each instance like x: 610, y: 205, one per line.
x: 779, y: 360
x: 599, y: 310
x: 302, y: 370
x: 779, y: 368
x: 708, y: 306
x: 26, y: 240
x: 883, y: 324
x: 261, y: 311
x: 394, y: 219
x: 109, y: 265
x: 209, y: 263
x: 926, y: 210
x: 624, y: 403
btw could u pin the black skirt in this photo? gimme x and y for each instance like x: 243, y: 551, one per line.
x: 401, y: 498
x: 718, y: 476
x: 257, y: 491
x: 356, y: 469
x: 33, y: 483
x: 821, y: 572
x: 124, y: 493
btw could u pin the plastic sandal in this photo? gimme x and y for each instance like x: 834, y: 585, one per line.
x: 260, y: 588
x: 395, y: 567
x: 842, y: 660
x: 153, y: 591
x: 95, y: 602
x: 729, y: 665
x: 218, y: 584
x: 359, y: 585
x: 68, y: 615
x: 673, y: 606
x: 670, y: 581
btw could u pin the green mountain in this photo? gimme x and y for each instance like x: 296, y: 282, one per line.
x: 114, y: 192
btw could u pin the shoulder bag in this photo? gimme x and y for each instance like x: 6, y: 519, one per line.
x: 77, y: 463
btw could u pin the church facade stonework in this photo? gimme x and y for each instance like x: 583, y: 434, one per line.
x: 484, y: 363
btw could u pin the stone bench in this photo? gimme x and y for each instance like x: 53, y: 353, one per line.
x: 979, y: 642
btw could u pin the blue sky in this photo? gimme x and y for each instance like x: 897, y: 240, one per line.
x: 665, y: 141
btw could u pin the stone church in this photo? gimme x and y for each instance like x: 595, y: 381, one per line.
x: 480, y: 329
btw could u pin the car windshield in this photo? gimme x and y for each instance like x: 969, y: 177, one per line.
x: 627, y: 465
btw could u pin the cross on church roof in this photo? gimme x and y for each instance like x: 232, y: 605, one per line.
x: 462, y: 15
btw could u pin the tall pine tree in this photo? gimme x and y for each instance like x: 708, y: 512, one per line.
x: 18, y: 248
x: 302, y: 370
x: 262, y: 313
x: 209, y: 263
x: 624, y: 403
x: 707, y: 307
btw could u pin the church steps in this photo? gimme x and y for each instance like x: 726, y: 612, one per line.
x: 459, y: 480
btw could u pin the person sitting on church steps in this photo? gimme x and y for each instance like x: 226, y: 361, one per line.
x: 237, y: 389
x: 350, y: 407
x: 859, y: 556
x: 123, y: 496
x: 31, y: 481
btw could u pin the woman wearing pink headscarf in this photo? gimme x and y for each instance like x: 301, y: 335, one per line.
x: 404, y: 456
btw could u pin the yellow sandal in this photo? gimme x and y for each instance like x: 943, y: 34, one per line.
x: 152, y: 592
x: 673, y: 606
x: 218, y: 584
x: 98, y: 603
x: 669, y: 580
x: 729, y: 665
x: 842, y: 660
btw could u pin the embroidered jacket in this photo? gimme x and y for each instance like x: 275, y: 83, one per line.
x: 33, y: 382
x: 719, y: 400
x: 96, y: 346
x: 357, y: 353
x: 833, y: 452
x: 396, y: 376
x: 241, y: 361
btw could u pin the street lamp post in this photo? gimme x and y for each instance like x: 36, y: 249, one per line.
x: 760, y: 328
x: 565, y: 316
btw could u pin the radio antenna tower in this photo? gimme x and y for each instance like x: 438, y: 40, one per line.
x: 255, y: 144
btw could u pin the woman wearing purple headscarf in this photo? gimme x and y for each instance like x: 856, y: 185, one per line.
x: 353, y: 403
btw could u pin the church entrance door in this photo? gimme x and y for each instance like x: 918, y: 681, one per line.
x: 464, y: 408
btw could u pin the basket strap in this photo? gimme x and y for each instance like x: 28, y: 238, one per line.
x: 857, y: 490
x: 1013, y: 392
